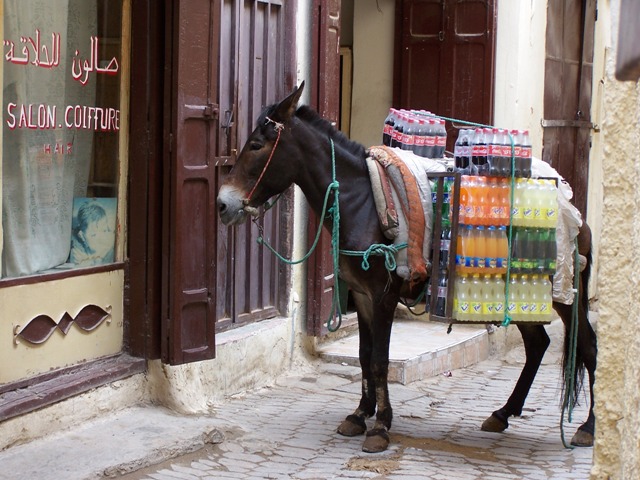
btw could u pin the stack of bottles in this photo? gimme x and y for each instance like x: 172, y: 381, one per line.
x: 488, y: 151
x: 481, y: 298
x: 488, y: 218
x: 417, y: 130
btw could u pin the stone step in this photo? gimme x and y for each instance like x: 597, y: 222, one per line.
x: 419, y: 349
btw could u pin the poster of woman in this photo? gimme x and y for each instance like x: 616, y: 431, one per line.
x: 93, y: 231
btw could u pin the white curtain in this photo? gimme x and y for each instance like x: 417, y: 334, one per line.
x: 38, y: 183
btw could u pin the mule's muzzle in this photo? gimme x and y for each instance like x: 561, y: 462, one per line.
x: 231, y: 207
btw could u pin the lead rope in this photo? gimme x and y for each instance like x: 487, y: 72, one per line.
x: 388, y: 251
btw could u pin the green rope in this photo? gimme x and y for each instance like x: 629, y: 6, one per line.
x: 570, y: 368
x: 388, y: 251
x: 332, y: 186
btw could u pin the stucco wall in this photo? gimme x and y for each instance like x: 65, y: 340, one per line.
x: 617, y: 447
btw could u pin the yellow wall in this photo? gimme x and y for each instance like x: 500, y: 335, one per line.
x: 20, y: 304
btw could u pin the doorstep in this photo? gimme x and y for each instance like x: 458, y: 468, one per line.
x: 419, y: 348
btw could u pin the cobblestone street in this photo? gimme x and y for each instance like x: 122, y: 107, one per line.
x: 288, y: 431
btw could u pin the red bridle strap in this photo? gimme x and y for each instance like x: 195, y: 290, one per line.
x: 279, y: 127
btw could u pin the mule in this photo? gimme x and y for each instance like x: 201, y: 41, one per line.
x: 294, y: 145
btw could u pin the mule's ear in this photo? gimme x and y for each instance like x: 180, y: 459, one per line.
x: 287, y: 107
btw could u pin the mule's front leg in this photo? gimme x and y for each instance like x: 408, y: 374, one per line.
x: 377, y: 439
x: 355, y: 424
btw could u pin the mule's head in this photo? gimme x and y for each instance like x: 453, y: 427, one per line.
x: 261, y: 169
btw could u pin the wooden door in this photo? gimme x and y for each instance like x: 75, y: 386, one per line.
x: 228, y: 62
x: 325, y: 98
x: 190, y: 273
x: 567, y: 92
x: 444, y: 59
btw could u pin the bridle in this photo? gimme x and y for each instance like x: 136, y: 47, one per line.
x: 253, y: 210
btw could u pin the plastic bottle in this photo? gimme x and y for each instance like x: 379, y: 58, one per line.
x: 469, y: 247
x: 389, y: 123
x: 493, y: 152
x: 524, y: 299
x: 441, y: 138
x: 514, y: 294
x: 518, y: 248
x: 498, y: 304
x: 461, y: 152
x: 551, y: 204
x: 504, y: 200
x: 516, y: 135
x: 536, y: 194
x: 526, y: 154
x: 445, y: 246
x: 470, y: 186
x: 447, y: 184
x: 441, y: 300
x: 488, y: 298
x: 463, y: 199
x: 462, y: 295
x: 493, y: 213
x: 527, y: 203
x: 420, y: 138
x: 551, y: 252
x: 479, y: 152
x: 430, y: 139
x: 517, y: 210
x: 475, y: 301
x: 396, y: 136
x: 502, y: 249
x: 463, y: 249
x: 529, y: 244
x: 534, y: 298
x: 480, y: 240
x: 481, y: 201
x: 491, y: 252
x: 505, y: 153
x: 408, y: 135
x: 542, y: 239
x: 546, y: 303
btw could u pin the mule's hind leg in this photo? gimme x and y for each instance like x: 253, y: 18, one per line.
x: 585, y: 359
x: 536, y: 341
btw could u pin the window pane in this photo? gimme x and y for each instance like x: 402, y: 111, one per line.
x: 61, y: 128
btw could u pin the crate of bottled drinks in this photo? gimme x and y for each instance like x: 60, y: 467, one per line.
x: 494, y: 248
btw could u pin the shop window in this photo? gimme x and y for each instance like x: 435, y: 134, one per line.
x: 61, y: 70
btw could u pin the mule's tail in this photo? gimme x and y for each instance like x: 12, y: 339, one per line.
x: 573, y: 375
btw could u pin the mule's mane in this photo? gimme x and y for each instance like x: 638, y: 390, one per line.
x: 309, y: 115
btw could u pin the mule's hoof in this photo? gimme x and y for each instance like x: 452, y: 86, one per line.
x: 352, y: 426
x: 377, y: 441
x: 582, y: 439
x: 494, y: 424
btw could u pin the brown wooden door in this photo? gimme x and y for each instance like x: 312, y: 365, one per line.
x: 190, y: 276
x: 325, y: 98
x: 227, y: 64
x: 567, y: 92
x: 445, y: 51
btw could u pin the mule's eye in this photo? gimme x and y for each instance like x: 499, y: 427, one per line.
x: 256, y: 145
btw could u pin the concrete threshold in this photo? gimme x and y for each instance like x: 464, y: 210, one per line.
x: 419, y: 348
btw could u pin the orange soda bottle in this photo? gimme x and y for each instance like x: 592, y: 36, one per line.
x: 491, y: 255
x: 480, y: 245
x: 481, y: 201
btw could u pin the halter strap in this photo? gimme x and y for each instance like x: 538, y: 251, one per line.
x: 279, y: 127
